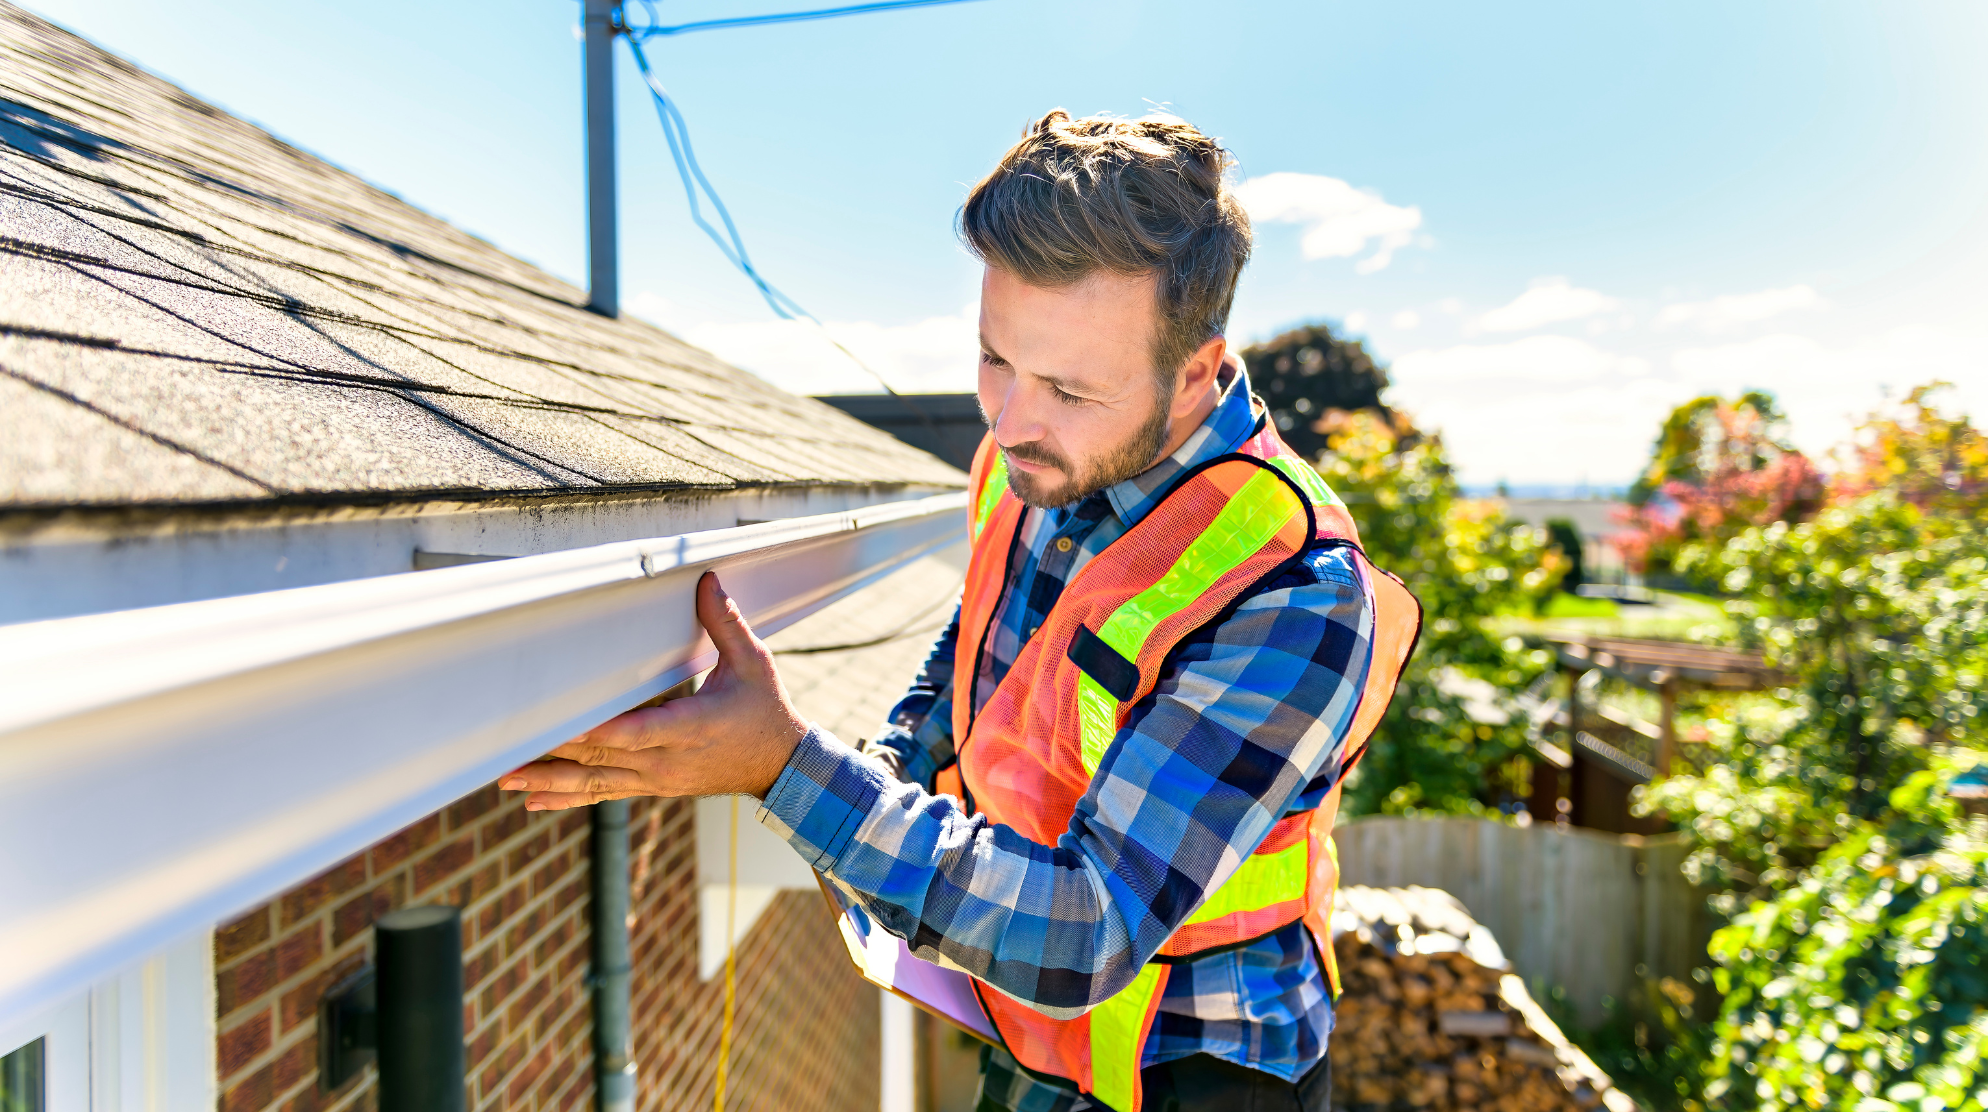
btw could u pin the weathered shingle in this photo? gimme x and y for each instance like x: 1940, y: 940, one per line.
x: 192, y: 311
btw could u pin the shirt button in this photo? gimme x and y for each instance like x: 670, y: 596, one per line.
x: 1063, y: 544
x: 1032, y: 630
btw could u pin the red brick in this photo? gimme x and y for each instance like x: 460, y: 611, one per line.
x: 356, y: 914
x: 522, y: 1079
x: 299, y: 950
x: 500, y: 989
x: 473, y: 806
x: 522, y: 929
x: 439, y: 865
x: 241, y: 1044
x: 244, y: 983
x: 395, y: 850
x: 554, y: 941
x: 477, y: 967
x: 526, y: 1002
x: 572, y: 960
x: 507, y: 825
x: 477, y: 885
x: 555, y: 1078
x: 548, y: 1021
x: 581, y: 1094
x: 551, y: 871
x: 300, y: 1005
x: 573, y: 822
x: 251, y: 1094
x: 297, y: 1062
x: 314, y: 893
x: 233, y: 939
x: 507, y: 903
x: 533, y: 848
x: 501, y: 1065
x: 482, y: 1045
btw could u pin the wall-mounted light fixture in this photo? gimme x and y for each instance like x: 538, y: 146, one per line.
x: 405, y: 1012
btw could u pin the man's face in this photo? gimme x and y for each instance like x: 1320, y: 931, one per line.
x: 1067, y: 384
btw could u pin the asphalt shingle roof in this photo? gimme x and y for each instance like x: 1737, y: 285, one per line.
x: 193, y: 311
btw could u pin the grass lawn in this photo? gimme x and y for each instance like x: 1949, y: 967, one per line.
x: 1675, y: 616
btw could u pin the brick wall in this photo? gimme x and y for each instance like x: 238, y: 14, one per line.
x: 805, y: 1032
x: 521, y: 879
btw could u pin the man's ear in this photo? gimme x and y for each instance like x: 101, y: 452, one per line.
x: 1198, y: 377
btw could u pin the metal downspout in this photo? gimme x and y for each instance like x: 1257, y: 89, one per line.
x: 614, y: 1064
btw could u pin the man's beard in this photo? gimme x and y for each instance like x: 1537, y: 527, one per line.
x: 1135, y: 455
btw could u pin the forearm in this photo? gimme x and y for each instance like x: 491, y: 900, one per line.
x: 961, y: 890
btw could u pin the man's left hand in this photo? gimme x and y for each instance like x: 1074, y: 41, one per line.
x: 734, y: 736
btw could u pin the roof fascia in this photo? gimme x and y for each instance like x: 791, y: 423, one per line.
x: 60, y: 564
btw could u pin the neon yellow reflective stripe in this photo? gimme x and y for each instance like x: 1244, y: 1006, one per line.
x: 990, y: 493
x: 1247, y: 523
x: 1307, y: 479
x: 1264, y: 879
x: 1118, y: 1038
x: 1097, y: 714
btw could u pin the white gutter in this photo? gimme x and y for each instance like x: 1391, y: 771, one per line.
x: 162, y: 769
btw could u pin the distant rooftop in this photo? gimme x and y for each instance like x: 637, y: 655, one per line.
x: 194, y: 312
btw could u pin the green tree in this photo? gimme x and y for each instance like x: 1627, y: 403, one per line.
x: 1466, y: 562
x: 1307, y: 373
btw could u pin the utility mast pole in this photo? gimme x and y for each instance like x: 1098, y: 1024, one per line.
x: 603, y: 254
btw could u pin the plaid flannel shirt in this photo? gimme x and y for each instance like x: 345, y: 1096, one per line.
x: 1247, y: 724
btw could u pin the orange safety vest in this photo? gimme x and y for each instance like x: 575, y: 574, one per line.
x: 1027, y: 757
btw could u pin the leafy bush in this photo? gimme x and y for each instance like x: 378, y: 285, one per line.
x: 1466, y: 562
x: 1863, y: 984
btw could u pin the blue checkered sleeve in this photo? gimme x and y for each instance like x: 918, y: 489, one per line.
x: 1247, y: 723
x: 919, y: 733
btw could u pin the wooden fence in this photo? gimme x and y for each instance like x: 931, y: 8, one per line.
x: 1593, y: 914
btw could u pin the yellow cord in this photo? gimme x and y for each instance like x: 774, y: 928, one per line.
x: 731, y: 909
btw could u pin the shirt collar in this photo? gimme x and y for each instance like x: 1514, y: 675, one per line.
x: 1225, y: 429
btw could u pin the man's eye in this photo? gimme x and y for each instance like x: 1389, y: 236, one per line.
x: 1067, y: 398
x: 993, y: 360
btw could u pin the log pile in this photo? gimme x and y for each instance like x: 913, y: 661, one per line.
x: 1431, y: 1019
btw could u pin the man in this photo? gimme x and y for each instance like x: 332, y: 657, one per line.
x: 1107, y: 796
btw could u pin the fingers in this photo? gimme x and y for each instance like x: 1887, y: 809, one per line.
x: 720, y: 617
x: 642, y: 728
x: 572, y: 777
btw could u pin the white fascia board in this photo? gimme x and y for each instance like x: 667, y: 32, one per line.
x: 62, y: 564
x: 162, y: 769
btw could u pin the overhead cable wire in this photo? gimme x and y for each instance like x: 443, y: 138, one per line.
x: 729, y: 243
x: 655, y: 29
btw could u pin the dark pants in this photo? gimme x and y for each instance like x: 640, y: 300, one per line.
x: 1204, y: 1084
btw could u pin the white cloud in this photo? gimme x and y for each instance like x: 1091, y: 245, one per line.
x: 936, y: 355
x: 1548, y: 301
x: 1535, y: 359
x: 1827, y: 390
x: 1737, y: 309
x: 1339, y: 220
x: 1406, y: 319
x: 1356, y: 321
x: 1544, y: 409
x: 1598, y: 433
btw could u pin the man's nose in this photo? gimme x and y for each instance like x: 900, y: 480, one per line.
x: 1018, y: 421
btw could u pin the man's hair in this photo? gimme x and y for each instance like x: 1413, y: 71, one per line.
x: 1131, y: 197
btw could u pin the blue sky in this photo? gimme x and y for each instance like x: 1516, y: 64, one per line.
x: 1553, y: 219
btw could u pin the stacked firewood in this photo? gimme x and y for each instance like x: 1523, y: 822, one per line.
x: 1431, y: 1020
